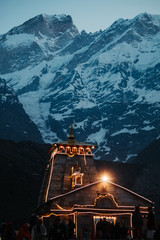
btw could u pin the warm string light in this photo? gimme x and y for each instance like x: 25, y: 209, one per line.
x: 50, y: 175
x: 48, y: 215
x: 109, y: 196
x: 106, y: 217
x: 100, y: 181
x: 72, y: 150
x: 126, y: 189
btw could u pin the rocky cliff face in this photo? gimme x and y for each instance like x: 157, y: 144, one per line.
x: 15, y: 124
x: 108, y: 82
x: 34, y: 41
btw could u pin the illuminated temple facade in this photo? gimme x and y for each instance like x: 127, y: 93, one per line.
x: 73, y: 189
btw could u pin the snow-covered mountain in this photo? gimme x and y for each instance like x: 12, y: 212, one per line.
x: 108, y: 82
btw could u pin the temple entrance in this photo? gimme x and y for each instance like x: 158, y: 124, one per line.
x: 112, y: 227
x: 103, y: 226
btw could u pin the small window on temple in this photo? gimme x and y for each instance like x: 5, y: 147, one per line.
x: 78, y: 179
x: 77, y: 176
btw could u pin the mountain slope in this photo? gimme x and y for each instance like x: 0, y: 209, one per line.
x: 108, y: 82
x: 148, y: 181
x: 149, y: 155
x: 15, y: 124
x: 22, y: 168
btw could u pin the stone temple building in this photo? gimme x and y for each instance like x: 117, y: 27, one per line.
x: 73, y: 189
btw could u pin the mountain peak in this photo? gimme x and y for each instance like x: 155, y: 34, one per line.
x: 142, y: 17
x: 146, y: 24
x: 50, y: 25
x: 56, y: 18
x: 146, y: 16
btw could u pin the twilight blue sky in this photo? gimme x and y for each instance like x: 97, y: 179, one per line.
x: 90, y: 15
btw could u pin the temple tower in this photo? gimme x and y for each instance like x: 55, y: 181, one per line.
x: 71, y: 166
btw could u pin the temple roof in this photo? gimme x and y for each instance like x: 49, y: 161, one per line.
x: 101, y: 181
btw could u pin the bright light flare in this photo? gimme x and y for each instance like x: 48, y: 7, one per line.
x: 105, y: 178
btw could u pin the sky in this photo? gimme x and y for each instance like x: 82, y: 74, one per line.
x: 88, y: 15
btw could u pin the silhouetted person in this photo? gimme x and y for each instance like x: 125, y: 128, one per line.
x: 86, y: 234
x: 33, y: 221
x: 124, y: 231
x: 39, y: 231
x: 117, y: 231
x: 150, y: 224
x: 55, y: 231
x: 99, y: 229
x: 157, y: 233
x: 137, y: 222
x: 10, y: 232
x: 105, y: 229
x: 24, y: 232
x: 71, y: 227
x: 64, y: 228
x: 3, y: 230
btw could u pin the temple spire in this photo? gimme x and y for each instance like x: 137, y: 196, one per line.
x: 71, y: 137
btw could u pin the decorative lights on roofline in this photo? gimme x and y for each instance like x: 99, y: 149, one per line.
x: 71, y: 151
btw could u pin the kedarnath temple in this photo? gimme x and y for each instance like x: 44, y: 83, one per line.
x: 73, y: 189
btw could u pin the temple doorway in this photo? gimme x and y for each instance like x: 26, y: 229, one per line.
x: 103, y: 226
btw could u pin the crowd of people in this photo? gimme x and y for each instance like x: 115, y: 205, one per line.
x: 152, y: 231
x: 36, y: 230
x: 108, y: 230
x: 140, y: 230
x: 25, y: 232
x: 59, y: 229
